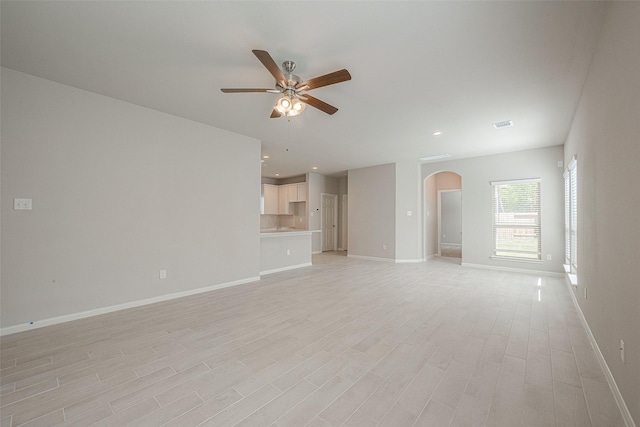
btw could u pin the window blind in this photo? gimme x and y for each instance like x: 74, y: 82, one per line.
x: 516, y: 219
x: 573, y: 169
x: 567, y: 217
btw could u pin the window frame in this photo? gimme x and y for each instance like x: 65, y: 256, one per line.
x: 571, y: 215
x: 537, y: 227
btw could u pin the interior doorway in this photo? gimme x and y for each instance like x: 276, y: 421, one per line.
x: 450, y: 223
x: 329, y: 221
x: 443, y: 217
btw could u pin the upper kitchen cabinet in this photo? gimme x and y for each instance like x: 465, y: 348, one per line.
x: 283, y: 200
x: 277, y: 199
x: 297, y: 192
x: 269, y: 202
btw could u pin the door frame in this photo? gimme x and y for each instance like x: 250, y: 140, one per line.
x: 335, y: 220
x: 439, y: 192
x: 344, y: 222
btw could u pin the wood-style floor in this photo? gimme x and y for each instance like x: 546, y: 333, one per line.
x: 345, y: 342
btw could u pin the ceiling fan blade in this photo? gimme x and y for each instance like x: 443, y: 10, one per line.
x: 327, y: 79
x: 320, y: 105
x: 270, y: 65
x: 245, y: 90
x: 275, y: 114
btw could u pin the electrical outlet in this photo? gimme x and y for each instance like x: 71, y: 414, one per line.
x: 585, y: 293
x: 163, y: 274
x: 622, y: 350
x: 548, y: 257
x: 384, y: 247
x: 288, y: 251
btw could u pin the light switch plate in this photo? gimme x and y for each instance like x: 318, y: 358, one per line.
x: 22, y: 204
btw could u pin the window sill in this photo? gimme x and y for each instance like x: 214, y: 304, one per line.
x: 529, y: 261
x: 572, y: 277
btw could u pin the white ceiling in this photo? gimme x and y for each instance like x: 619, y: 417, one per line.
x: 417, y: 67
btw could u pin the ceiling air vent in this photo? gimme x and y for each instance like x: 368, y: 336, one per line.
x: 504, y: 124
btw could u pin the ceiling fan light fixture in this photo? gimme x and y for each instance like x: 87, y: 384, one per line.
x: 298, y: 106
x: 283, y: 105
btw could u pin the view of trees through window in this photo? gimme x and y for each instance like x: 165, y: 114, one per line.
x: 516, y: 219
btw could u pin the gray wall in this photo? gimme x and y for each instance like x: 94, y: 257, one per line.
x: 274, y: 248
x: 408, y: 226
x: 371, y: 214
x: 478, y: 172
x: 119, y: 192
x: 605, y: 137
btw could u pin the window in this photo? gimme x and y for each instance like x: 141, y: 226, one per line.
x: 571, y: 214
x: 516, y: 219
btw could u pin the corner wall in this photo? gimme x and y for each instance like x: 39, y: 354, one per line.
x: 119, y: 193
x: 605, y: 137
x: 372, y: 212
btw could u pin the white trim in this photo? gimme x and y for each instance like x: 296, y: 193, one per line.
x: 104, y: 310
x: 622, y: 406
x: 290, y: 267
x: 371, y: 258
x: 316, y: 252
x: 280, y: 233
x: 407, y: 261
x: 516, y: 270
x: 517, y: 181
x: 509, y: 258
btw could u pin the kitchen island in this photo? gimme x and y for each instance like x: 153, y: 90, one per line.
x: 282, y: 250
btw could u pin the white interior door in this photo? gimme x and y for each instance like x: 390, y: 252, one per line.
x: 329, y: 212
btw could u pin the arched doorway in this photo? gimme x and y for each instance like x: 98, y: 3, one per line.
x: 443, y: 215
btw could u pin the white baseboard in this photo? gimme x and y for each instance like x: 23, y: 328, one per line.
x: 316, y: 252
x: 407, y: 261
x: 370, y: 258
x: 103, y: 310
x: 624, y: 410
x: 515, y: 270
x: 291, y: 267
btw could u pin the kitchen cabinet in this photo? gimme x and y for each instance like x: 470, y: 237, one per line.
x: 302, y: 192
x: 269, y: 205
x: 297, y: 192
x: 283, y: 200
x: 277, y: 199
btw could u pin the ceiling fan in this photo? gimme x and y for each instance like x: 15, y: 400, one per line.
x: 291, y: 87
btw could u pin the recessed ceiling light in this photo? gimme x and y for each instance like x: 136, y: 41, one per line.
x: 503, y: 124
x: 265, y: 157
x: 315, y: 168
x: 437, y: 133
x: 277, y: 174
x: 436, y: 157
